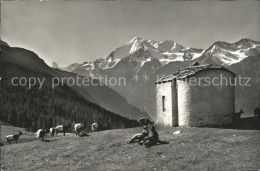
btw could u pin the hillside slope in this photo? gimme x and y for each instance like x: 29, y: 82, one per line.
x: 106, y: 97
x: 192, y: 149
x: 46, y: 107
x: 247, y: 97
x: 22, y: 59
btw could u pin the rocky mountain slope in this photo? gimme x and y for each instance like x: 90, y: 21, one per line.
x: 226, y: 54
x: 140, y: 51
x: 157, y: 58
x: 248, y: 97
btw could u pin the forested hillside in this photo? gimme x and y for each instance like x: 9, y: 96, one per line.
x: 46, y: 107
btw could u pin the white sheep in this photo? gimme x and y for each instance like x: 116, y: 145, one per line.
x: 52, y: 132
x: 40, y: 134
x: 60, y: 128
x: 78, y: 128
x: 94, y: 127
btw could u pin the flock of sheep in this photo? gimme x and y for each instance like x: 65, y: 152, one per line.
x: 79, y: 127
x: 41, y: 133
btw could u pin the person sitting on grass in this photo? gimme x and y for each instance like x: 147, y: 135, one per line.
x: 152, y: 140
x: 139, y: 137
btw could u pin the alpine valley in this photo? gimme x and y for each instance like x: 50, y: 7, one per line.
x: 45, y: 107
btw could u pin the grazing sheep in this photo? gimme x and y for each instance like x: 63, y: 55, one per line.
x: 10, y: 138
x: 257, y: 111
x: 40, y: 134
x: 78, y: 128
x: 237, y: 115
x: 61, y: 128
x: 52, y: 132
x: 145, y: 121
x: 94, y: 127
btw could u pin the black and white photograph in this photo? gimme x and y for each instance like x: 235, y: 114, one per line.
x: 129, y: 85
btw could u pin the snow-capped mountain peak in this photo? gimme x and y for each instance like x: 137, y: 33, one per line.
x: 136, y: 38
x: 136, y: 44
x: 225, y: 53
x: 140, y: 52
x: 141, y: 44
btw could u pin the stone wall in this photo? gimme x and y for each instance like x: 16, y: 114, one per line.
x: 164, y: 117
x: 174, y: 104
x: 205, y: 105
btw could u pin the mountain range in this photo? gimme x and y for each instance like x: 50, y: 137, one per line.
x: 149, y: 58
x: 157, y: 58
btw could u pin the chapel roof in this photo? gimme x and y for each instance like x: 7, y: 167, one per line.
x: 188, y: 71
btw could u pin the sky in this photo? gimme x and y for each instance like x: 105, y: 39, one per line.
x: 69, y: 32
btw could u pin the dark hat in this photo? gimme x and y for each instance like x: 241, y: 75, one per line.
x: 139, y: 120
